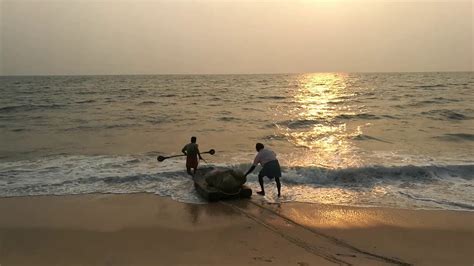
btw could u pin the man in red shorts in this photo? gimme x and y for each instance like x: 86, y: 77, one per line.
x: 192, y: 153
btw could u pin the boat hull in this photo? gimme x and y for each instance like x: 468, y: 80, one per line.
x: 213, y: 194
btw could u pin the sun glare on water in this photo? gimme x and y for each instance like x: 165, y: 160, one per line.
x: 322, y: 98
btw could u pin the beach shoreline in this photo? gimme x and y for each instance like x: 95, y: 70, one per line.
x: 145, y: 229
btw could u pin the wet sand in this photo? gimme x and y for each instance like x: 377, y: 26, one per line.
x: 144, y: 229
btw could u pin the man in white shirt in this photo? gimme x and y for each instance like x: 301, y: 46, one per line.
x: 270, y: 167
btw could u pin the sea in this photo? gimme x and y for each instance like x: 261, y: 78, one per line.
x: 396, y: 140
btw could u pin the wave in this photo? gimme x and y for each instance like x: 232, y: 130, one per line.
x: 429, y: 86
x: 101, y: 127
x: 86, y: 101
x: 276, y: 137
x: 272, y: 97
x: 301, y: 123
x: 306, y: 123
x: 109, y: 100
x: 445, y: 100
x: 457, y: 84
x: 168, y: 95
x: 364, y: 116
x: 440, y: 202
x: 147, y: 103
x: 443, y: 114
x: 361, y: 176
x: 29, y: 107
x: 67, y: 174
x: 227, y: 118
x: 367, y: 137
x: 370, y: 175
x: 20, y: 129
x: 155, y: 120
x: 87, y: 93
x: 457, y: 137
x: 352, y: 177
x: 437, y: 100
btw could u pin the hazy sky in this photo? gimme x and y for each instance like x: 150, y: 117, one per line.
x: 160, y: 37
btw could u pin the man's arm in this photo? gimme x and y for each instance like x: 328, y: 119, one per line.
x: 199, y: 153
x: 184, y: 150
x: 256, y: 161
x: 250, y: 170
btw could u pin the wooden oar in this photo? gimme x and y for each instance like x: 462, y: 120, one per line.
x: 162, y: 158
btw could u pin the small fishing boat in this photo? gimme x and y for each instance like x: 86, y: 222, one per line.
x: 212, y: 193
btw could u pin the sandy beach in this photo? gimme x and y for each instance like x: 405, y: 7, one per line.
x: 145, y: 229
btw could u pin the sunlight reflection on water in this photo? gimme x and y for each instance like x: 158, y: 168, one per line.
x: 327, y: 141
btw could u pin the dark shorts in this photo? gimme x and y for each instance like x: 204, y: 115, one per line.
x: 192, y: 162
x: 271, y: 170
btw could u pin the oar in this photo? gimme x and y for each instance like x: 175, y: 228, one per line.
x: 162, y: 158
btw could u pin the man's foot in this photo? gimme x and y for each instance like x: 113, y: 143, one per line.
x: 261, y: 193
x: 279, y: 195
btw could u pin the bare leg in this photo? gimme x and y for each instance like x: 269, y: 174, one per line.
x: 188, y: 169
x: 260, y: 180
x: 277, y: 180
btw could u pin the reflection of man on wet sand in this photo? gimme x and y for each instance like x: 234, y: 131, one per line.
x: 192, y: 153
x: 271, y: 167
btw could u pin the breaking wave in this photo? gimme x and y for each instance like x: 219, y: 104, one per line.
x: 67, y: 175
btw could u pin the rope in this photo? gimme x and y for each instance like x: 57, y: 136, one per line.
x: 231, y: 194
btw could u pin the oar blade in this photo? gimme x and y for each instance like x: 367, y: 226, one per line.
x: 160, y: 158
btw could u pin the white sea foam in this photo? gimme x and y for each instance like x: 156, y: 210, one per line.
x: 434, y: 187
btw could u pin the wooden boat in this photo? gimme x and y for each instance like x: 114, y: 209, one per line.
x: 214, y: 194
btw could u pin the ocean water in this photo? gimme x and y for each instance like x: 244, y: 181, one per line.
x: 401, y: 140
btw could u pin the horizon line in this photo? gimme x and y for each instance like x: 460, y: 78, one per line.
x: 236, y: 74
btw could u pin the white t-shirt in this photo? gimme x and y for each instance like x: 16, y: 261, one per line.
x: 264, y: 156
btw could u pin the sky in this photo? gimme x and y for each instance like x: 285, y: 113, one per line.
x: 100, y: 37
